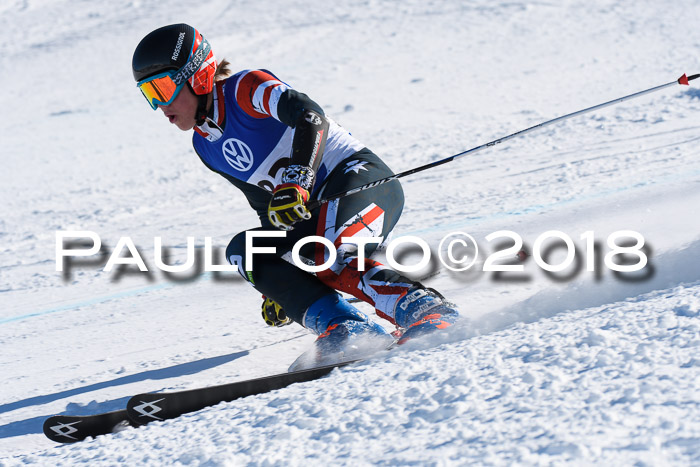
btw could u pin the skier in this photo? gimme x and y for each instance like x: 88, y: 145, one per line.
x: 279, y: 148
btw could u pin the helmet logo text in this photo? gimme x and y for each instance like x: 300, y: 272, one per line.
x: 178, y: 46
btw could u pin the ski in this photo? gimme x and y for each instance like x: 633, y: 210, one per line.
x: 148, y: 407
x: 74, y: 428
x: 145, y: 408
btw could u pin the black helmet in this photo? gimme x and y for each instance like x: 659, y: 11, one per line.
x: 176, y: 48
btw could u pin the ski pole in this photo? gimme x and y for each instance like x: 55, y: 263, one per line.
x: 316, y: 203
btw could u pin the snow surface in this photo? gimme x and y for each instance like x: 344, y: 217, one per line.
x: 585, y: 370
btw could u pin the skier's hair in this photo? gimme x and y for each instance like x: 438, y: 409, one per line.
x: 223, y: 70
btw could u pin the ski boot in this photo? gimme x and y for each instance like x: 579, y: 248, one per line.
x: 344, y: 334
x: 423, y: 311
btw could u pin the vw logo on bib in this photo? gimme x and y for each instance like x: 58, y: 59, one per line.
x: 237, y: 154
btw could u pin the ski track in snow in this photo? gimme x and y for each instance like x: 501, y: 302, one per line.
x: 591, y: 370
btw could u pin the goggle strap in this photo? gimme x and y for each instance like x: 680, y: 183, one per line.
x: 192, y: 65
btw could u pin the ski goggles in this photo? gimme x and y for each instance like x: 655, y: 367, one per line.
x: 163, y: 88
x: 160, y: 89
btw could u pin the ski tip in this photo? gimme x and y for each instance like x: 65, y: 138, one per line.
x: 684, y: 79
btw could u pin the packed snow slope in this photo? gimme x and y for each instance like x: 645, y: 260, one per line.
x: 581, y: 367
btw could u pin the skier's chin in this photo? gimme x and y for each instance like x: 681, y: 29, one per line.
x: 182, y: 124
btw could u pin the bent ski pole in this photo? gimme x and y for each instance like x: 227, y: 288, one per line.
x: 316, y: 203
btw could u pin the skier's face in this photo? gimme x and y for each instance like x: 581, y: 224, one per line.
x: 181, y: 111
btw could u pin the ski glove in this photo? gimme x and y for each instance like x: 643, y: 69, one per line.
x: 288, y: 206
x: 273, y: 314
